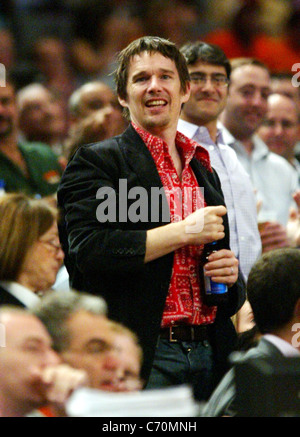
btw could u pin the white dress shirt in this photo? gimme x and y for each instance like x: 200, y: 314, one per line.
x: 238, y: 193
x: 27, y: 297
x: 273, y: 178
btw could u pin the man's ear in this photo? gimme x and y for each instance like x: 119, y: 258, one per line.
x: 187, y: 92
x: 123, y: 102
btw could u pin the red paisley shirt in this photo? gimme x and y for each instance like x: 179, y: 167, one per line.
x: 183, y: 304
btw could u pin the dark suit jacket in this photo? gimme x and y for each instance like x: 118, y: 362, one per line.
x: 107, y: 259
x: 222, y: 402
x: 8, y: 299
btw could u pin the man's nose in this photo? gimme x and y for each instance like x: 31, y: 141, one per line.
x: 208, y: 85
x: 278, y: 129
x: 154, y: 84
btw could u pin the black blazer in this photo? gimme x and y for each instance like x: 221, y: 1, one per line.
x: 223, y: 400
x: 8, y: 299
x: 107, y: 259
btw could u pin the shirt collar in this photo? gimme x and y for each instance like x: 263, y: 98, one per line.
x: 21, y: 293
x: 159, y: 148
x: 260, y: 148
x: 284, y: 347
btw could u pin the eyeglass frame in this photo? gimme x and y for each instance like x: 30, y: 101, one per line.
x: 213, y: 78
x: 56, y: 247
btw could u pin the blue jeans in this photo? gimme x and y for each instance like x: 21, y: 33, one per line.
x: 183, y: 363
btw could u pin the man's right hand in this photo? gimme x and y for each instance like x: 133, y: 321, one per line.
x: 201, y: 227
x: 205, y: 225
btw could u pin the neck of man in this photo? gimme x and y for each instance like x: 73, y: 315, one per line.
x: 168, y: 135
x: 243, y: 137
x: 290, y: 158
x: 9, y: 147
x: 26, y: 281
x: 289, y: 335
x: 8, y: 144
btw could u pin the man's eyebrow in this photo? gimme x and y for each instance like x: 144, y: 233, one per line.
x: 145, y: 72
x: 33, y: 341
x: 97, y: 342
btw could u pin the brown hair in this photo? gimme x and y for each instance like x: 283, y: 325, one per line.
x: 23, y: 222
x: 151, y: 44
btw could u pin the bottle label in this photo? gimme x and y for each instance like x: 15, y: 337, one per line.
x: 212, y: 287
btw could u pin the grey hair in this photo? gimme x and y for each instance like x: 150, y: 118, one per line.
x: 57, y: 307
x: 74, y: 102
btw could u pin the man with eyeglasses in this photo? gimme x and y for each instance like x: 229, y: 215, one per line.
x: 210, y: 71
x: 274, y: 179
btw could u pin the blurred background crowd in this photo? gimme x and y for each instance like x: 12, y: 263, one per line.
x: 65, y: 43
x: 59, y: 58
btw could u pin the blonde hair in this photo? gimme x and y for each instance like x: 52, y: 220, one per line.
x: 23, y: 222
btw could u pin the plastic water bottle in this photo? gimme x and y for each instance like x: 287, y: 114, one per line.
x: 2, y: 187
x: 214, y: 293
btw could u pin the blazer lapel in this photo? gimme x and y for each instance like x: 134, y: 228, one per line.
x: 139, y: 159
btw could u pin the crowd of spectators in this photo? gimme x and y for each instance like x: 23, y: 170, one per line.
x: 59, y: 58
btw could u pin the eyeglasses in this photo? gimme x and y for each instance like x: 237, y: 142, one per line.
x: 54, y: 247
x: 218, y: 80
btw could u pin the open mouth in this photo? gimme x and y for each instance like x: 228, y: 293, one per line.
x: 156, y: 103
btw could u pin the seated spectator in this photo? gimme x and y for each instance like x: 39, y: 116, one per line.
x: 280, y: 129
x: 7, y: 48
x: 31, y: 375
x: 86, y: 339
x: 52, y: 58
x: 282, y: 83
x: 41, y: 117
x: 32, y: 168
x: 274, y: 296
x: 125, y: 342
x: 95, y: 114
x: 30, y: 253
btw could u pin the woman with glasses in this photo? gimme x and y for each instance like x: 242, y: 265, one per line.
x: 30, y: 252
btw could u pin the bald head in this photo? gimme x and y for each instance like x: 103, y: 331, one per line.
x: 280, y: 128
x: 91, y: 97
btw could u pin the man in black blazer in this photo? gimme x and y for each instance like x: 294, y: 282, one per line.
x: 273, y: 290
x: 127, y: 243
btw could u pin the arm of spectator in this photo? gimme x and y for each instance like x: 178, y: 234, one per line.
x: 273, y: 236
x: 293, y: 226
x: 58, y: 382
